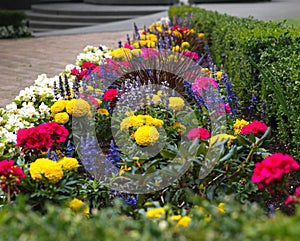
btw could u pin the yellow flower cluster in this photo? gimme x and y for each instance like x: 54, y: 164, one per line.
x: 238, y: 125
x: 180, y: 128
x: 121, y: 53
x: 58, y: 106
x: 155, y: 213
x: 182, y: 221
x: 61, y: 109
x: 140, y: 120
x: 78, y: 107
x: 47, y: 168
x: 221, y: 137
x: 61, y: 118
x: 146, y: 135
x: 77, y: 205
x: 176, y: 103
x: 221, y: 208
x: 103, y: 111
x: 68, y: 163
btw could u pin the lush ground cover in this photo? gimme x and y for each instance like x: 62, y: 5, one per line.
x: 143, y: 142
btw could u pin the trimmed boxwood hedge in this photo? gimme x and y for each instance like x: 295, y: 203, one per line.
x: 263, y: 59
x: 13, y: 24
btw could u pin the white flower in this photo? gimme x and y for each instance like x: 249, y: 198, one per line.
x: 11, y: 107
x: 44, y: 109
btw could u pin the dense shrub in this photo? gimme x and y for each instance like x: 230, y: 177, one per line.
x: 256, y: 54
x: 18, y: 222
x: 13, y: 24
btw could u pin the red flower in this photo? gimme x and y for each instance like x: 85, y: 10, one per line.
x: 10, y: 176
x: 290, y: 199
x: 297, y: 192
x: 74, y: 71
x: 88, y: 65
x: 42, y: 137
x: 272, y: 169
x: 256, y: 127
x: 110, y: 94
x: 82, y: 74
x: 200, y: 133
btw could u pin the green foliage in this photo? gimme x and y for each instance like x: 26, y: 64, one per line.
x: 237, y: 43
x: 19, y: 222
x: 13, y: 24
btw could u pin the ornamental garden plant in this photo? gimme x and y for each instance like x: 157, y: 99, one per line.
x: 147, y: 140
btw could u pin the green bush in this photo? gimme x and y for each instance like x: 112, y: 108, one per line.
x: 19, y: 222
x: 255, y: 53
x: 13, y: 24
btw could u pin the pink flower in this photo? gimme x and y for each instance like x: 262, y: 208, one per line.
x: 128, y: 46
x: 200, y: 133
x: 110, y: 94
x: 83, y: 73
x: 297, y: 192
x: 290, y: 199
x: 173, y: 28
x: 272, y: 169
x: 256, y: 127
x: 149, y: 52
x: 203, y: 83
x: 191, y: 55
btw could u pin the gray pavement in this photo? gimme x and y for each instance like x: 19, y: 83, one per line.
x: 22, y: 60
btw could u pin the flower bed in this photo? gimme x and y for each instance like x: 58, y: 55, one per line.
x: 147, y: 134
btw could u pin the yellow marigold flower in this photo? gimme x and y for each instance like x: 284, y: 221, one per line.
x: 152, y: 37
x: 219, y: 74
x: 68, y: 163
x: 143, y: 37
x: 146, y: 135
x: 238, y: 125
x: 150, y: 121
x: 78, y: 107
x: 205, y: 71
x: 155, y: 213
x: 125, y: 123
x: 136, y: 52
x: 90, y: 88
x: 99, y: 92
x: 189, y: 31
x: 221, y: 208
x: 207, y: 218
x: 175, y: 217
x: 61, y: 118
x: 151, y: 44
x: 103, y: 111
x: 184, y: 221
x: 156, y: 99
x: 176, y: 49
x: 201, y: 35
x: 177, y: 34
x: 185, y: 45
x: 77, y: 205
x: 179, y: 127
x: 58, y: 106
x: 121, y: 53
x: 176, y: 103
x: 221, y: 137
x: 47, y: 168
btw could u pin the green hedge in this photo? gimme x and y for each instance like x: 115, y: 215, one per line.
x: 247, y: 223
x: 255, y: 53
x: 13, y: 24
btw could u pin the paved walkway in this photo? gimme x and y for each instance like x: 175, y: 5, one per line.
x: 22, y: 60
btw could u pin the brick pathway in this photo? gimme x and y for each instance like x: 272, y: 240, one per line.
x: 22, y: 60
